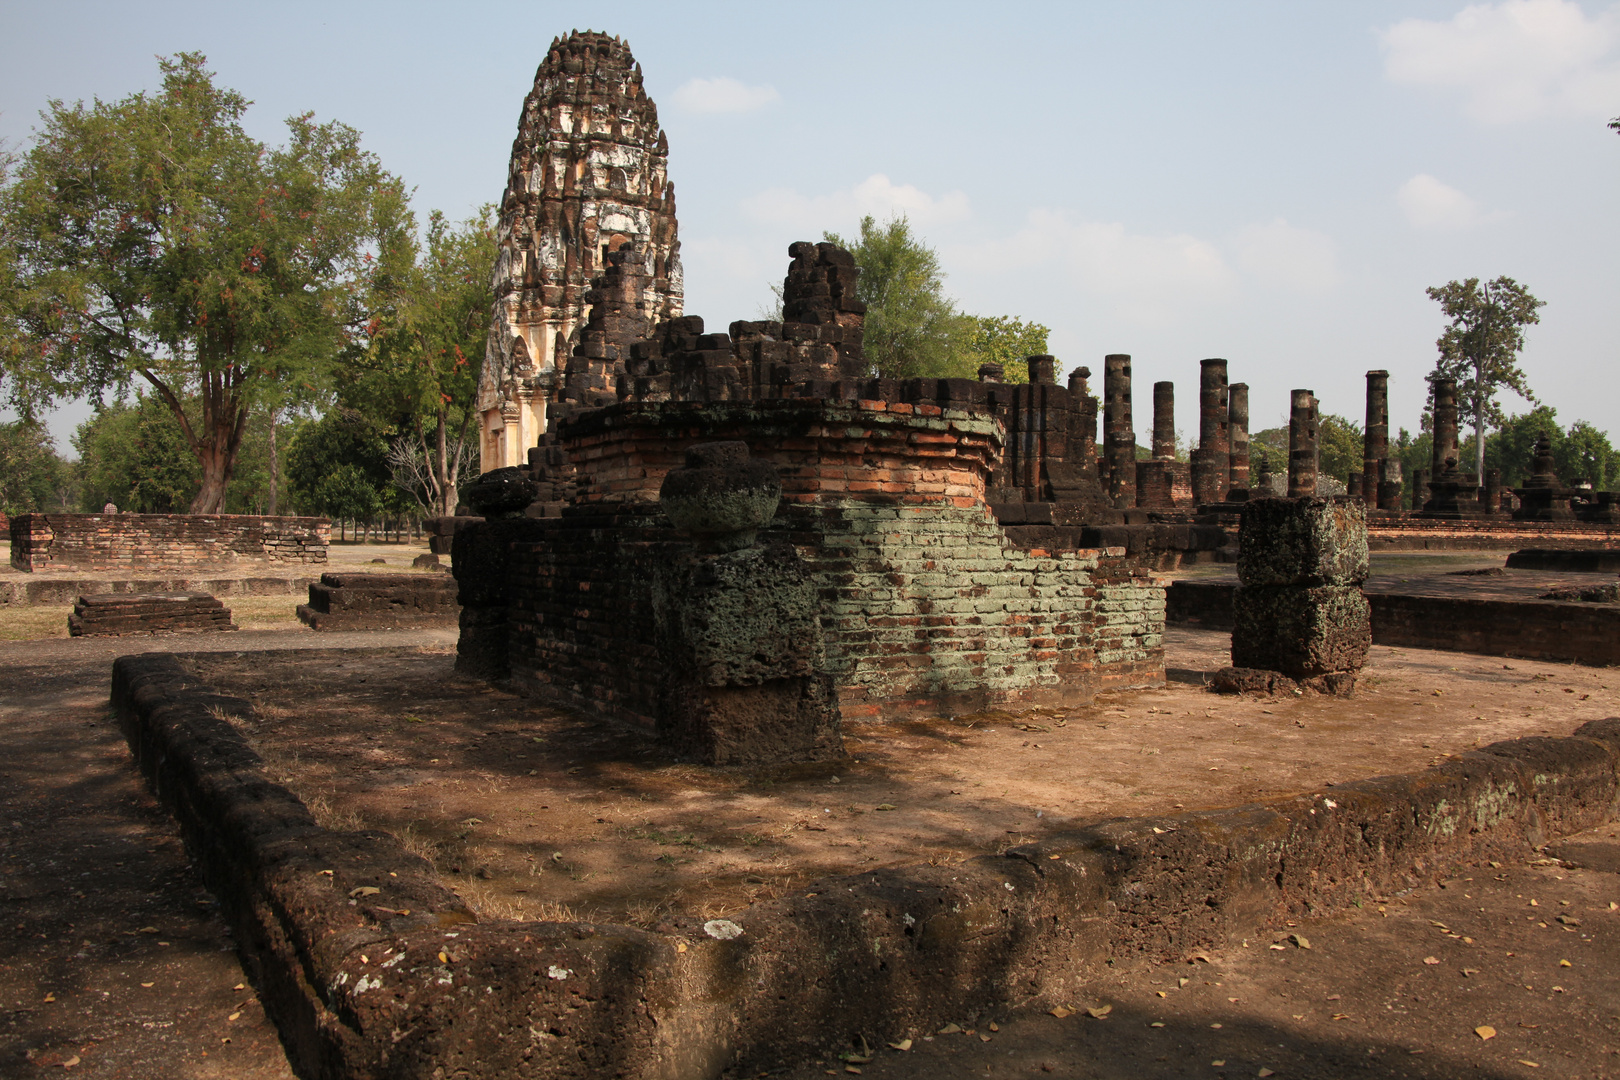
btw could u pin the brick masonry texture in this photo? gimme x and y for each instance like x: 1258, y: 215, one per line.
x: 924, y: 601
x: 165, y: 542
x: 107, y: 614
x: 347, y: 601
x: 370, y: 967
x: 1571, y: 632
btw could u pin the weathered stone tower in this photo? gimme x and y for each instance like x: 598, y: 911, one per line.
x: 588, y: 175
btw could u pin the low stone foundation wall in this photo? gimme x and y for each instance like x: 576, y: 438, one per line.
x: 371, y: 968
x: 29, y: 591
x: 349, y: 601
x: 165, y: 541
x: 1567, y: 631
x: 1388, y: 531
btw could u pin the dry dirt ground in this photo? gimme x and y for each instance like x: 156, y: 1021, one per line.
x: 531, y: 811
x: 97, y: 900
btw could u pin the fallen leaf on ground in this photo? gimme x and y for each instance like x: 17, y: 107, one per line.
x: 1300, y: 940
x: 364, y: 890
x: 903, y: 1044
x: 1265, y: 1072
x: 1485, y: 1031
x: 1564, y: 963
x: 1157, y: 1023
x: 885, y: 806
x: 952, y: 1029
x: 1527, y: 1061
x: 1099, y: 1011
x: 70, y: 1062
x: 1060, y: 1012
x: 1431, y: 960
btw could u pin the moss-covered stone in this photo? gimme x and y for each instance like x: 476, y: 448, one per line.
x: 1319, y: 540
x: 1300, y: 632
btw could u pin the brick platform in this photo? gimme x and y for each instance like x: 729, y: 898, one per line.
x: 379, y: 602
x: 109, y: 615
x: 165, y: 542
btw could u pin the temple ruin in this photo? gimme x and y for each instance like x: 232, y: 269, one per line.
x: 589, y: 175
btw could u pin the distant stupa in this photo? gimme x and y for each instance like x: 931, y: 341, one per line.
x: 589, y: 174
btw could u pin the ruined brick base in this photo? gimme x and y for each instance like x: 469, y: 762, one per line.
x: 345, y: 601
x: 371, y: 968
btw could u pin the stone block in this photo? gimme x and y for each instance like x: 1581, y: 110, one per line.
x: 1311, y: 541
x: 1301, y: 632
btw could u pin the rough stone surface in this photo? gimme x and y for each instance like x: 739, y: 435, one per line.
x: 1568, y: 560
x: 1301, y: 632
x: 346, y: 601
x: 370, y: 966
x: 1321, y: 540
x: 720, y: 497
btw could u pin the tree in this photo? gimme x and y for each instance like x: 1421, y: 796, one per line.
x: 1480, y: 349
x: 152, y: 239
x: 426, y: 347
x: 1587, y: 455
x: 33, y: 478
x: 338, y: 466
x: 912, y: 328
x: 1339, y: 446
x: 133, y: 456
x: 999, y: 339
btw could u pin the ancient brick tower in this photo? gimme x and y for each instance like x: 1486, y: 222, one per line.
x: 588, y: 175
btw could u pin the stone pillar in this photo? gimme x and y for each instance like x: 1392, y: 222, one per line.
x: 1389, y: 484
x: 1042, y: 370
x: 1375, y: 441
x: 1420, y: 488
x: 1299, y: 609
x: 1119, y: 435
x: 1237, y: 411
x: 1212, y: 461
x: 1353, y: 485
x: 1493, y: 491
x: 1164, y: 420
x: 737, y: 630
x: 1302, y: 444
x: 1445, y: 428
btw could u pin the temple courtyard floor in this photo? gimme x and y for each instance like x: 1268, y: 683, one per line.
x: 113, y: 957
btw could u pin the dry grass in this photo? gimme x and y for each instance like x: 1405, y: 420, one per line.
x: 34, y: 623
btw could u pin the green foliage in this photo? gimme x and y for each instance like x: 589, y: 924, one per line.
x: 426, y: 349
x: 133, y: 456
x: 152, y: 239
x: 338, y: 466
x: 1581, y: 453
x: 1339, y: 446
x: 1480, y: 348
x: 912, y: 328
x: 1000, y: 339
x: 1268, y: 451
x: 33, y: 479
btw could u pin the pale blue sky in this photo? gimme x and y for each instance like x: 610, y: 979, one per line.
x: 1274, y: 183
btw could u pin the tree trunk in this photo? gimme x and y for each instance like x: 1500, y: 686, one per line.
x: 1479, y: 422
x: 275, y: 465
x: 441, y: 470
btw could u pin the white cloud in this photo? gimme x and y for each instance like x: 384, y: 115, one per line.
x: 1285, y: 255
x: 723, y: 95
x: 1515, y: 60
x: 1430, y: 204
x: 842, y: 210
x: 1142, y: 278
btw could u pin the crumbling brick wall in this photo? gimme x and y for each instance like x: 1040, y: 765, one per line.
x: 165, y: 541
x: 925, y: 601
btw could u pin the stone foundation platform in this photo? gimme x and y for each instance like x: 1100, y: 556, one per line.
x: 1566, y: 561
x: 371, y: 967
x: 380, y: 602
x: 110, y: 615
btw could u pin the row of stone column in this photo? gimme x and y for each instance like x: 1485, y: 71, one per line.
x: 1443, y: 489
x: 1220, y: 464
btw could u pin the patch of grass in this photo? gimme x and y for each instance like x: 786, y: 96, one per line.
x: 30, y: 623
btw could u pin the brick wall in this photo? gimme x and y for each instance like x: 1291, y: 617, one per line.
x: 165, y: 541
x: 1388, y: 531
x: 926, y: 603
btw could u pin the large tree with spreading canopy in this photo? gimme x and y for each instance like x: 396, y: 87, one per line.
x: 151, y: 239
